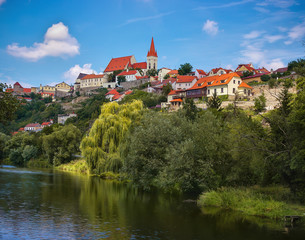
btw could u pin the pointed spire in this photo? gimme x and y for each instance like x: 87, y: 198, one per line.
x: 152, y: 52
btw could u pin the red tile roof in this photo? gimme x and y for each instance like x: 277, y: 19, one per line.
x: 47, y: 93
x: 130, y: 72
x: 141, y: 65
x: 152, y: 52
x: 255, y: 75
x: 27, y: 90
x: 128, y: 92
x: 141, y: 77
x: 17, y: 83
x: 215, y: 70
x: 172, y: 92
x: 90, y: 76
x: 117, y: 96
x: 249, y: 68
x: 9, y: 90
x: 281, y: 70
x: 118, y: 64
x: 185, y: 79
x: 45, y: 124
x: 244, y: 85
x: 112, y: 92
x: 33, y: 125
x: 20, y: 129
x: 201, y: 72
x: 176, y: 100
x: 173, y: 72
x: 262, y: 70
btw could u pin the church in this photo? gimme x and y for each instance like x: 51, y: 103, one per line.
x: 129, y: 62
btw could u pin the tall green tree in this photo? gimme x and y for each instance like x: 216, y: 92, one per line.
x: 185, y: 69
x: 214, y: 102
x: 8, y: 104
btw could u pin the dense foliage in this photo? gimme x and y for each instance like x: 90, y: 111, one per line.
x: 8, y: 104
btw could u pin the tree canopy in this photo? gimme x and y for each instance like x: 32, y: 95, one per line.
x: 185, y: 69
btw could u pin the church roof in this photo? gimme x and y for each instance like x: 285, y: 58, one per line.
x: 118, y: 64
x: 152, y: 52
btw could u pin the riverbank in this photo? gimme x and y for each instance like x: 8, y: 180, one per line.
x: 253, y: 201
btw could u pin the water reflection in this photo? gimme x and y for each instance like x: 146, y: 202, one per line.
x: 56, y: 205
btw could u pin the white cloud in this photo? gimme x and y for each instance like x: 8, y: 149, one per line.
x: 210, y: 27
x: 282, y: 29
x: 278, y: 3
x: 226, y: 5
x: 253, y: 34
x: 261, y: 10
x: 74, y: 71
x: 229, y: 66
x: 57, y: 43
x: 273, y: 38
x: 2, y: 1
x: 274, y: 64
x: 297, y: 32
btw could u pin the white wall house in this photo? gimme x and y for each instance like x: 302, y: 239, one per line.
x: 162, y: 72
x: 130, y: 75
x: 92, y: 80
x: 185, y: 82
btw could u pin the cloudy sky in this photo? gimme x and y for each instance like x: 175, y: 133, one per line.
x: 52, y: 41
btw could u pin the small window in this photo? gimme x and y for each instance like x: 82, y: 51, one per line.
x: 208, y: 91
x: 221, y: 90
x: 215, y: 90
x: 238, y: 82
x: 234, y: 81
x: 245, y: 91
x: 233, y: 90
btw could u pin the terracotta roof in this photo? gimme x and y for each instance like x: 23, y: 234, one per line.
x: 185, y: 79
x: 128, y: 92
x: 27, y: 90
x: 255, y: 75
x: 118, y: 64
x: 17, y: 83
x: 112, y: 92
x: 141, y: 65
x: 172, y: 92
x: 244, y: 85
x: 215, y: 70
x: 177, y: 100
x: 141, y: 77
x: 281, y: 70
x: 9, y: 90
x: 90, y: 76
x: 201, y: 72
x: 152, y: 52
x: 20, y: 129
x: 45, y: 123
x: 125, y: 73
x: 51, y: 94
x: 249, y: 68
x: 214, y: 80
x: 173, y: 72
x: 262, y: 70
x: 117, y: 96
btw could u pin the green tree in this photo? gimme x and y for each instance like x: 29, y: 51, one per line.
x: 166, y: 76
x: 29, y: 152
x: 3, y: 140
x: 152, y: 72
x: 260, y: 103
x: 247, y: 74
x: 61, y: 144
x: 166, y: 89
x: 265, y: 78
x: 214, y: 102
x: 8, y: 104
x: 185, y: 69
x: 190, y: 109
x: 101, y: 147
x: 121, y: 79
x: 297, y: 66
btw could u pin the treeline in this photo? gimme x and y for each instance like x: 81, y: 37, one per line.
x: 195, y: 151
x: 52, y: 146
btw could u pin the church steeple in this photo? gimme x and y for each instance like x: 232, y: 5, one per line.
x: 152, y: 52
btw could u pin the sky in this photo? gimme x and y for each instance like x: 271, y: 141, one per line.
x: 48, y: 42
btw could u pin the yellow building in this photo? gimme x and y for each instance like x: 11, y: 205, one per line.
x: 64, y: 87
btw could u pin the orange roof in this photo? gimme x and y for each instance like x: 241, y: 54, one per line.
x: 214, y: 80
x: 125, y: 73
x: 45, y: 123
x: 249, y: 68
x: 112, y: 92
x: 172, y: 92
x: 244, y: 85
x: 173, y: 72
x: 51, y: 94
x: 117, y: 96
x: 118, y: 64
x: 201, y: 71
x: 152, y: 52
x: 128, y: 92
x: 185, y: 79
x: 141, y: 65
x: 20, y: 129
x: 89, y: 76
x: 215, y: 70
x: 140, y: 77
x: 26, y: 90
x: 9, y: 90
x: 177, y: 100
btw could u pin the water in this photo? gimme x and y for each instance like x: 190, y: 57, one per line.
x: 38, y: 204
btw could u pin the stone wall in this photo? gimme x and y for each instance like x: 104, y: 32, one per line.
x: 133, y: 84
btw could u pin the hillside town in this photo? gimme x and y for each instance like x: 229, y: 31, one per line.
x: 124, y: 74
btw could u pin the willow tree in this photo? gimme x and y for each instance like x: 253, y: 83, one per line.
x: 101, y: 146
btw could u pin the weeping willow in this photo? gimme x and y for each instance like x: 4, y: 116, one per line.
x: 101, y: 147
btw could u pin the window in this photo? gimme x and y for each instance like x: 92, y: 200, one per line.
x: 221, y: 90
x: 149, y: 65
x: 215, y: 90
x: 208, y: 91
x: 238, y: 82
x: 154, y: 66
x: 245, y: 91
x: 233, y: 90
x: 234, y: 81
x: 249, y: 92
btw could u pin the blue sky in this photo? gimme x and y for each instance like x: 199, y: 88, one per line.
x: 52, y: 41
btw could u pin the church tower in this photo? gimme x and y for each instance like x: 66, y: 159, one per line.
x: 152, y: 57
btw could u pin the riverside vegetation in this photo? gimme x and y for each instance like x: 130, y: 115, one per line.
x: 220, y: 152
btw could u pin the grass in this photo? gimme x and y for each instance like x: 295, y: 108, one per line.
x: 79, y: 166
x: 251, y: 202
x: 38, y: 163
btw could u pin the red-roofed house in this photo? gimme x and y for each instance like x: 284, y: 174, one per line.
x: 245, y: 68
x: 200, y: 73
x: 244, y: 89
x: 262, y: 70
x: 92, y: 81
x: 46, y: 124
x: 121, y: 63
x: 32, y: 127
x: 254, y: 78
x: 18, y: 88
x: 27, y: 91
x: 162, y: 72
x: 219, y: 71
x: 111, y: 94
x: 173, y: 73
x: 140, y: 65
x: 185, y: 82
x: 130, y: 75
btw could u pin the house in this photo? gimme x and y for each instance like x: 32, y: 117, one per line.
x: 262, y: 70
x: 64, y: 87
x: 77, y: 82
x: 200, y: 73
x: 19, y: 90
x: 219, y: 71
x: 130, y: 75
x: 162, y: 72
x: 244, y: 89
x: 32, y: 127
x: 185, y: 82
x: 62, y: 118
x: 92, y: 81
x: 110, y: 95
x: 281, y: 70
x: 47, y: 124
x: 225, y: 84
x: 173, y: 73
x: 120, y: 63
x: 175, y: 104
x: 254, y: 78
x: 245, y: 68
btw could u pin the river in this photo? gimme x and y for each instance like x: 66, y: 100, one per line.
x: 50, y: 204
